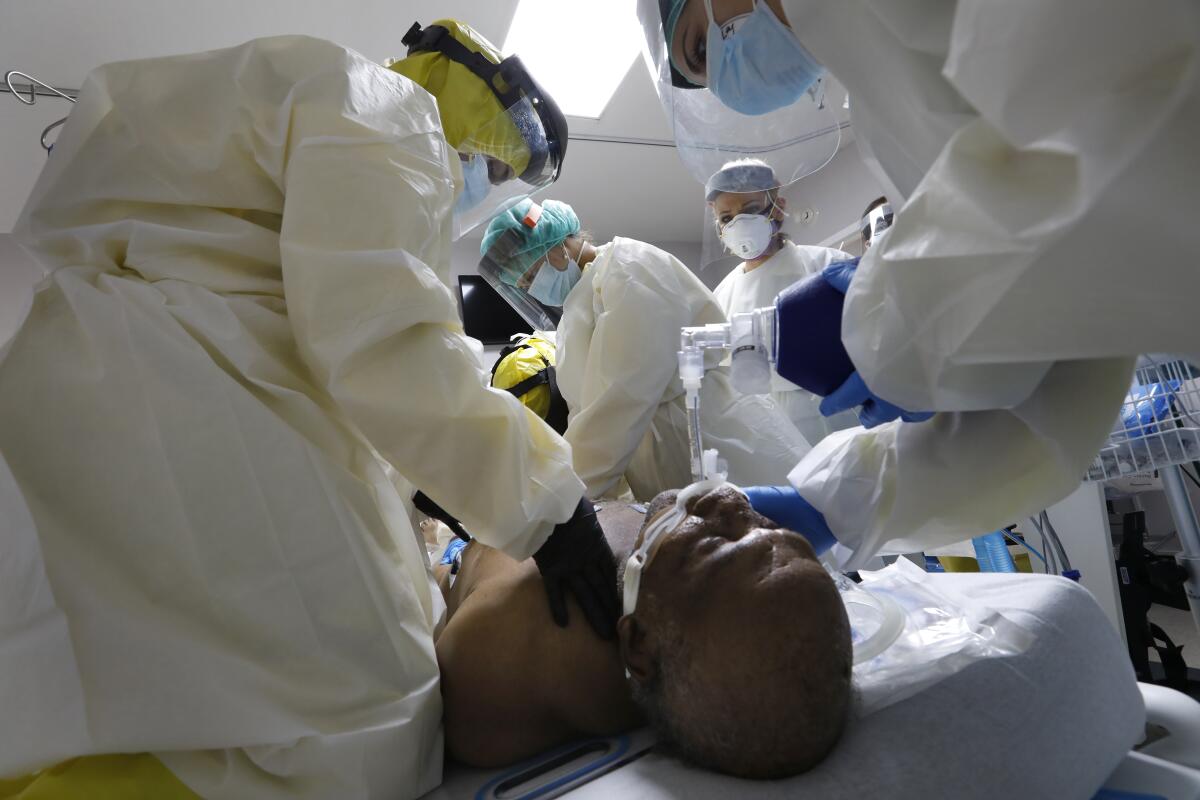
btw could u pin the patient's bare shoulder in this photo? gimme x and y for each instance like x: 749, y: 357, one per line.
x: 514, y: 683
x: 492, y: 711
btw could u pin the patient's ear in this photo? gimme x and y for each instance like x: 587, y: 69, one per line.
x: 637, y: 648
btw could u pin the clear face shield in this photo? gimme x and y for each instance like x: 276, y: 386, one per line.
x: 788, y: 211
x: 794, y: 140
x: 740, y: 226
x: 533, y: 278
x: 873, y: 225
x: 517, y: 151
x: 490, y: 157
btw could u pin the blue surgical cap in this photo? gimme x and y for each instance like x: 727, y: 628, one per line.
x: 513, y: 246
x: 741, y: 176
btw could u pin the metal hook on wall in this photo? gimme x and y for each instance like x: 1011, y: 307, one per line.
x: 45, y: 90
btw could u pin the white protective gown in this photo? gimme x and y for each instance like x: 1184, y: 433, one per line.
x: 618, y: 371
x: 1047, y: 150
x: 205, y: 552
x: 742, y: 291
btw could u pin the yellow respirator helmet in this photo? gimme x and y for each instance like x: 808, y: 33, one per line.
x: 489, y: 105
x: 526, y: 370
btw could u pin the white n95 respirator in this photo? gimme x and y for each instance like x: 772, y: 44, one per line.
x: 747, y: 236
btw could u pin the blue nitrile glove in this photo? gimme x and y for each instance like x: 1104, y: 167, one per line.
x: 840, y: 273
x: 873, y: 410
x: 854, y: 391
x: 784, y: 506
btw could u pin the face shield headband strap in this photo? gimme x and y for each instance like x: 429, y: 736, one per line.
x: 510, y: 82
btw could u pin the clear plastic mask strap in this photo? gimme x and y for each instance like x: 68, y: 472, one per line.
x: 668, y: 521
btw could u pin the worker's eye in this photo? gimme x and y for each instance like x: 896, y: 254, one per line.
x: 498, y: 171
x: 695, y: 54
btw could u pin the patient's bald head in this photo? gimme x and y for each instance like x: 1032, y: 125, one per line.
x: 739, y: 649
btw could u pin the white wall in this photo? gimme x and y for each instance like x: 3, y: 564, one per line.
x: 838, y: 194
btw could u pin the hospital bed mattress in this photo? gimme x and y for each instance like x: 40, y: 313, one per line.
x: 1052, y: 722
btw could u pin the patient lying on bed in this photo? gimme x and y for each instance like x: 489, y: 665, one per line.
x: 738, y: 653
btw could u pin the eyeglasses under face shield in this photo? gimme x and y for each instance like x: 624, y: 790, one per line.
x: 877, y: 220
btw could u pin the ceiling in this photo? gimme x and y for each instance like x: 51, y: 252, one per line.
x: 639, y: 190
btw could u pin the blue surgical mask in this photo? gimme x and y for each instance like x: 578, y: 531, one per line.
x: 475, y: 184
x: 755, y: 63
x: 551, y: 286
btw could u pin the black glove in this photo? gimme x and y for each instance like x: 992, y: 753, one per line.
x: 577, y: 558
x: 431, y: 509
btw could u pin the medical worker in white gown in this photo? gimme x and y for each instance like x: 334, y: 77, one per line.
x: 748, y: 212
x: 621, y: 306
x: 245, y: 324
x: 1044, y: 152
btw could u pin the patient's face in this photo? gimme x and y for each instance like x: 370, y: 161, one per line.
x: 722, y: 548
x: 747, y: 637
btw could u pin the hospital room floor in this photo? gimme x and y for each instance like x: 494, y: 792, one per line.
x: 1180, y: 626
x: 1177, y: 623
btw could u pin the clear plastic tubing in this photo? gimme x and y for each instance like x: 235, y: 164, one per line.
x: 691, y: 373
x: 696, y: 443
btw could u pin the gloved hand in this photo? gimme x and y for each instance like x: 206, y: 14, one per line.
x: 784, y: 506
x: 854, y: 391
x: 426, y: 506
x: 873, y: 409
x: 840, y: 273
x: 577, y: 558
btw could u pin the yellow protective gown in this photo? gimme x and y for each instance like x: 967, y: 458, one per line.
x: 247, y: 311
x: 617, y: 368
x: 1045, y: 240
x: 741, y: 291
